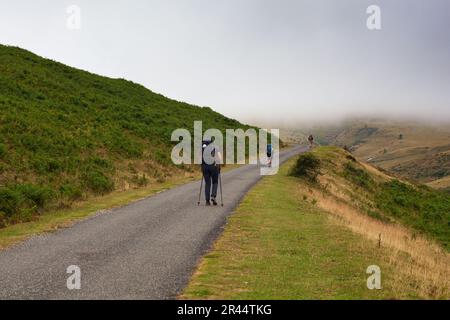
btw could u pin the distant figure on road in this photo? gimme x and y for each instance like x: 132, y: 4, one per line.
x: 211, y: 170
x: 269, y: 155
x: 311, y: 141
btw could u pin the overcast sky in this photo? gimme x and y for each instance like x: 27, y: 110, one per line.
x: 255, y: 59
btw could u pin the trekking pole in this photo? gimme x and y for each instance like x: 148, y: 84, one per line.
x: 200, y: 192
x: 221, y: 196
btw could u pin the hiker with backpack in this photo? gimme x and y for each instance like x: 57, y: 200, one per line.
x: 311, y: 141
x: 211, y: 161
x: 269, y: 155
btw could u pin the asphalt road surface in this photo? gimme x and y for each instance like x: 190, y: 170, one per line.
x: 145, y: 250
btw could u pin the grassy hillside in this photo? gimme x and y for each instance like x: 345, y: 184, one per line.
x: 411, y: 221
x: 410, y: 150
x: 382, y: 197
x: 278, y: 245
x: 67, y: 133
x: 311, y: 231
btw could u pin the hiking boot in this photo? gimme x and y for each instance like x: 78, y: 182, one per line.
x: 208, y: 203
x: 214, y: 201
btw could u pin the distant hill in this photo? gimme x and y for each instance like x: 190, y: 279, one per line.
x: 410, y: 150
x: 67, y: 133
x: 295, y: 136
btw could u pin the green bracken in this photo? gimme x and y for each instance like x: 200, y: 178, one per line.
x: 420, y: 207
x: 307, y: 166
x: 65, y: 132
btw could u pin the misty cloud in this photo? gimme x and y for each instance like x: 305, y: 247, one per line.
x: 253, y: 59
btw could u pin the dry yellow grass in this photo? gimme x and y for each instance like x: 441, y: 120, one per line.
x: 422, y: 263
x: 440, y: 184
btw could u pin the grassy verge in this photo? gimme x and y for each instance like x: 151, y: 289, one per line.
x: 279, y: 245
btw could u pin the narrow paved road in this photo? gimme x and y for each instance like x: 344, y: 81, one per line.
x: 145, y: 250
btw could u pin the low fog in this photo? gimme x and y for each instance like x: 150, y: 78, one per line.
x: 264, y: 61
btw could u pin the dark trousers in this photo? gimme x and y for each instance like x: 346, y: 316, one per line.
x: 211, y: 175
